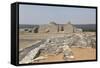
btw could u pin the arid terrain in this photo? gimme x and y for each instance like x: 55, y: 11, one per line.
x: 79, y: 54
x: 80, y: 50
x: 56, y: 34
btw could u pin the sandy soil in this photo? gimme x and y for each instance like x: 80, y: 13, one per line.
x: 84, y: 53
x: 52, y: 58
x: 26, y: 39
x: 24, y: 43
x: 79, y: 54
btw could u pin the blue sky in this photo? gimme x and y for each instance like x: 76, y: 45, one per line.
x: 36, y: 14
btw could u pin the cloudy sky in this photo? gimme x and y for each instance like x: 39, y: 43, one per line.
x: 36, y: 14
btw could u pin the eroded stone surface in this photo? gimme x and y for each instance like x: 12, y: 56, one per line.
x: 57, y: 45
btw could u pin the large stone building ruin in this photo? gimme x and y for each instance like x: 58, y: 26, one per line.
x: 52, y: 27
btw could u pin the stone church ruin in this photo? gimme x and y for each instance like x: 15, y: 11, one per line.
x: 63, y: 41
x: 52, y: 27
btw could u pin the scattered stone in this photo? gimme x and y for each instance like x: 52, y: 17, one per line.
x: 39, y: 59
x: 68, y: 54
x: 57, y: 45
x: 32, y: 54
x: 28, y: 58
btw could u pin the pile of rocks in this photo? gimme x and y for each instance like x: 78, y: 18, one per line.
x: 73, y: 40
x: 57, y: 45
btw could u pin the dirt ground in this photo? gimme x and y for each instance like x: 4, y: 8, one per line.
x: 79, y: 54
x: 84, y: 53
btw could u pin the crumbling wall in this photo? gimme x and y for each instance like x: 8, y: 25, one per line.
x: 48, y: 28
x: 43, y: 28
x: 53, y: 28
x: 35, y: 30
x: 77, y: 30
x: 60, y: 28
x: 68, y: 28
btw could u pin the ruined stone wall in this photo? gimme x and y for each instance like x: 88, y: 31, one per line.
x: 53, y: 28
x: 77, y: 30
x: 48, y: 28
x: 43, y: 28
x: 35, y: 30
x: 60, y: 28
x: 68, y: 28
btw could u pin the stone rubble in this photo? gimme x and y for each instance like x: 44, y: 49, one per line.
x: 57, y: 45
